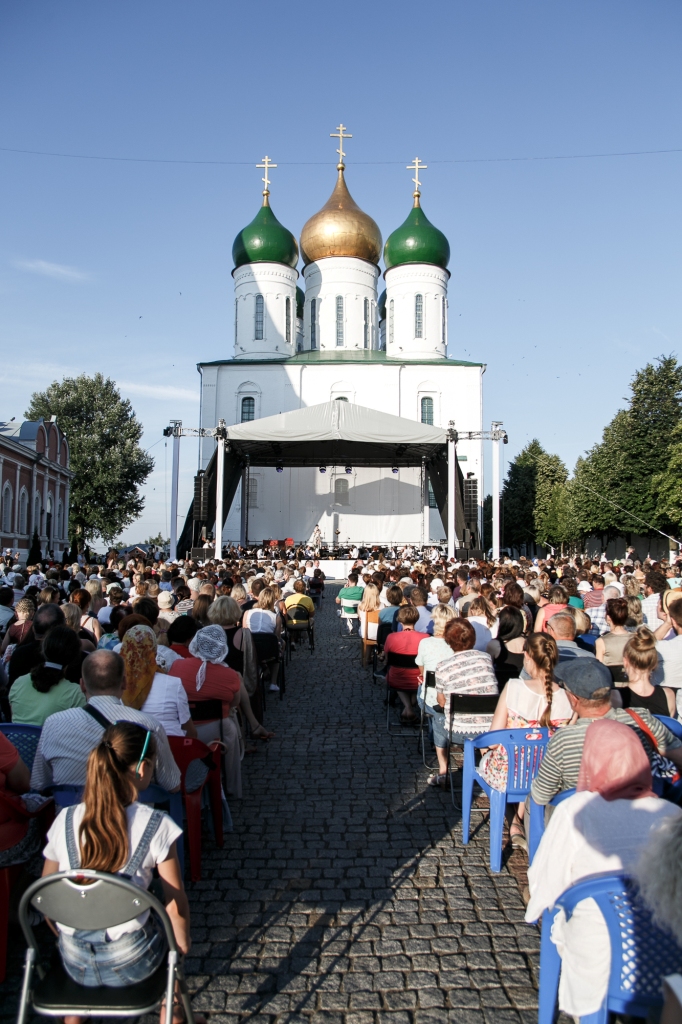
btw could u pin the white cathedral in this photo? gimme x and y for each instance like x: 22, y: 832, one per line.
x: 343, y: 338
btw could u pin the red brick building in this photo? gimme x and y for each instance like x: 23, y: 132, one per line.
x: 34, y: 486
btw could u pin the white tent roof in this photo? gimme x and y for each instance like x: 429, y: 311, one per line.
x: 335, y: 433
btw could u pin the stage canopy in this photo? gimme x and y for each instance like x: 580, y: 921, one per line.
x: 330, y: 434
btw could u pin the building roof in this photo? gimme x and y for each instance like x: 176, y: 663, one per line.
x: 360, y: 355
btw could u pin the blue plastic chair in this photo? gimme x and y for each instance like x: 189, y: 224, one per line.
x: 25, y: 739
x: 641, y: 953
x: 66, y: 795
x: 536, y: 824
x: 525, y: 749
x: 672, y: 724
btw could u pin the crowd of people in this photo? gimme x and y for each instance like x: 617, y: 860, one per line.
x: 110, y: 659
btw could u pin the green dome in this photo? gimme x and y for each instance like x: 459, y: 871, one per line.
x: 382, y: 305
x: 265, y: 240
x: 416, y: 241
x: 300, y: 302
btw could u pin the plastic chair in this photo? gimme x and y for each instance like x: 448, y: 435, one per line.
x: 641, y: 953
x: 370, y: 618
x: 25, y: 739
x: 536, y: 824
x: 186, y: 750
x: 428, y: 684
x: 15, y: 811
x: 477, y: 704
x: 525, y: 749
x: 106, y: 901
x: 672, y: 724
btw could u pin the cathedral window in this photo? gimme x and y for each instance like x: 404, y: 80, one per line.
x: 260, y: 316
x: 443, y: 320
x: 366, y: 332
x: 248, y: 409
x: 427, y: 411
x: 339, y: 320
x: 288, y: 320
x: 419, y: 316
x: 313, y: 323
x: 341, y: 491
x: 23, y: 511
x: 7, y: 509
x: 391, y: 320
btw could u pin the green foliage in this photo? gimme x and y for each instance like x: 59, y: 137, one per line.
x: 103, y: 434
x: 518, y: 496
x: 668, y: 484
x: 159, y: 541
x: 35, y: 554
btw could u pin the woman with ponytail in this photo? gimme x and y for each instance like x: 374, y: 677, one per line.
x: 46, y: 690
x: 640, y: 660
x: 111, y: 832
x: 536, y: 702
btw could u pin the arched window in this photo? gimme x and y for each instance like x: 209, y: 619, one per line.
x: 341, y: 495
x: 313, y: 323
x: 288, y: 320
x: 427, y: 411
x: 341, y: 398
x: 366, y: 325
x: 248, y: 409
x: 260, y: 315
x: 7, y: 509
x: 48, y: 518
x: 236, y: 320
x: 391, y: 312
x: 419, y: 316
x: 36, y: 514
x: 443, y: 320
x: 339, y: 320
x: 60, y: 520
x: 23, y: 511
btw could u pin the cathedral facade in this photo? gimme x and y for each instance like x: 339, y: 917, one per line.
x: 337, y: 331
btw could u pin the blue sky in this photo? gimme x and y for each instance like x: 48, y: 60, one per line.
x: 565, y: 273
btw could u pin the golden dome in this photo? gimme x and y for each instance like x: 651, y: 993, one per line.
x: 340, y: 228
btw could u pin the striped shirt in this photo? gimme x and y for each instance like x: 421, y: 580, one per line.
x: 467, y: 672
x: 561, y: 763
x: 68, y: 737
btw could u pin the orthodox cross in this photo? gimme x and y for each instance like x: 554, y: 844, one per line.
x: 415, y: 166
x: 266, y: 165
x: 340, y: 134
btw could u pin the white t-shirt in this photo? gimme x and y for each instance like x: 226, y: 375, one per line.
x: 104, y: 614
x: 669, y: 669
x: 138, y: 815
x: 167, y: 703
x: 260, y: 620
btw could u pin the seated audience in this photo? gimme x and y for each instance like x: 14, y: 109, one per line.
x: 562, y: 628
x: 83, y: 600
x: 20, y: 631
x: 604, y: 827
x: 30, y: 653
x: 405, y: 680
x: 466, y: 671
x: 481, y: 617
x: 19, y: 840
x: 68, y: 736
x: 557, y: 602
x: 181, y: 631
x: 155, y: 693
x: 370, y: 603
x: 609, y: 646
x: 431, y: 652
x: 507, y: 649
x: 46, y: 689
x: 640, y: 661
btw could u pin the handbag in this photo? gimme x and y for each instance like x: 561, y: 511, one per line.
x: 662, y: 767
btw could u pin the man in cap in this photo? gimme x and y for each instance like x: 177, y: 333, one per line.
x: 588, y: 686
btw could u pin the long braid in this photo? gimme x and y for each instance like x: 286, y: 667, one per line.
x: 544, y: 652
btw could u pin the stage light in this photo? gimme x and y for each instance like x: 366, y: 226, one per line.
x: 279, y: 467
x: 167, y: 431
x: 349, y: 469
x: 323, y: 469
x: 394, y: 470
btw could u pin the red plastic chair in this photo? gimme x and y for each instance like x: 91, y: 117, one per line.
x: 9, y: 876
x: 185, y: 751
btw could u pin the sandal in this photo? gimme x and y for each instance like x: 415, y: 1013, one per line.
x: 437, y: 780
x: 261, y: 733
x: 517, y: 835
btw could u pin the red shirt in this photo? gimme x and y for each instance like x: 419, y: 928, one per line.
x: 593, y: 598
x: 405, y: 642
x: 11, y: 832
x: 221, y: 682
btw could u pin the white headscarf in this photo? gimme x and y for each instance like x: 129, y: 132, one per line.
x: 209, y: 644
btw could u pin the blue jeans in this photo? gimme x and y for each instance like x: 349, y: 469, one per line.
x: 93, y: 960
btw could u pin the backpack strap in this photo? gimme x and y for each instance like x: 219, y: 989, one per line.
x: 70, y: 835
x: 142, y: 849
x: 97, y: 715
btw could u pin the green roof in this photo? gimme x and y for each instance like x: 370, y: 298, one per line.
x: 416, y: 241
x: 360, y: 355
x: 265, y: 240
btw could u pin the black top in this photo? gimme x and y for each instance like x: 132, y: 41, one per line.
x: 235, y: 657
x: 507, y: 665
x: 656, y: 704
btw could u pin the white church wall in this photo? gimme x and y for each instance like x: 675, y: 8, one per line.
x: 403, y: 285
x: 268, y: 330
x: 353, y: 281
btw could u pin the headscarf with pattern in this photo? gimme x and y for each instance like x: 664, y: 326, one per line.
x: 138, y: 651
x: 209, y: 644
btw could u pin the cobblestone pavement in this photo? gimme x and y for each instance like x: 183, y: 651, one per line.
x: 344, y: 894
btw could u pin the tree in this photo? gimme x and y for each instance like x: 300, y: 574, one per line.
x: 668, y: 484
x: 518, y: 496
x: 549, y: 496
x: 159, y: 541
x: 109, y: 465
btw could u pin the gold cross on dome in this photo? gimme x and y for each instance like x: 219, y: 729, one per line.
x: 266, y: 165
x: 340, y: 134
x: 415, y: 166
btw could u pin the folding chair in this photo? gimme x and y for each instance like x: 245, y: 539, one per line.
x: 185, y: 750
x: 478, y: 704
x: 536, y: 822
x: 349, y: 617
x: 428, y: 684
x: 395, y: 660
x: 92, y: 900
x: 370, y: 619
x: 641, y: 953
x: 384, y: 629
x: 25, y: 739
x: 525, y: 749
x: 297, y: 622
